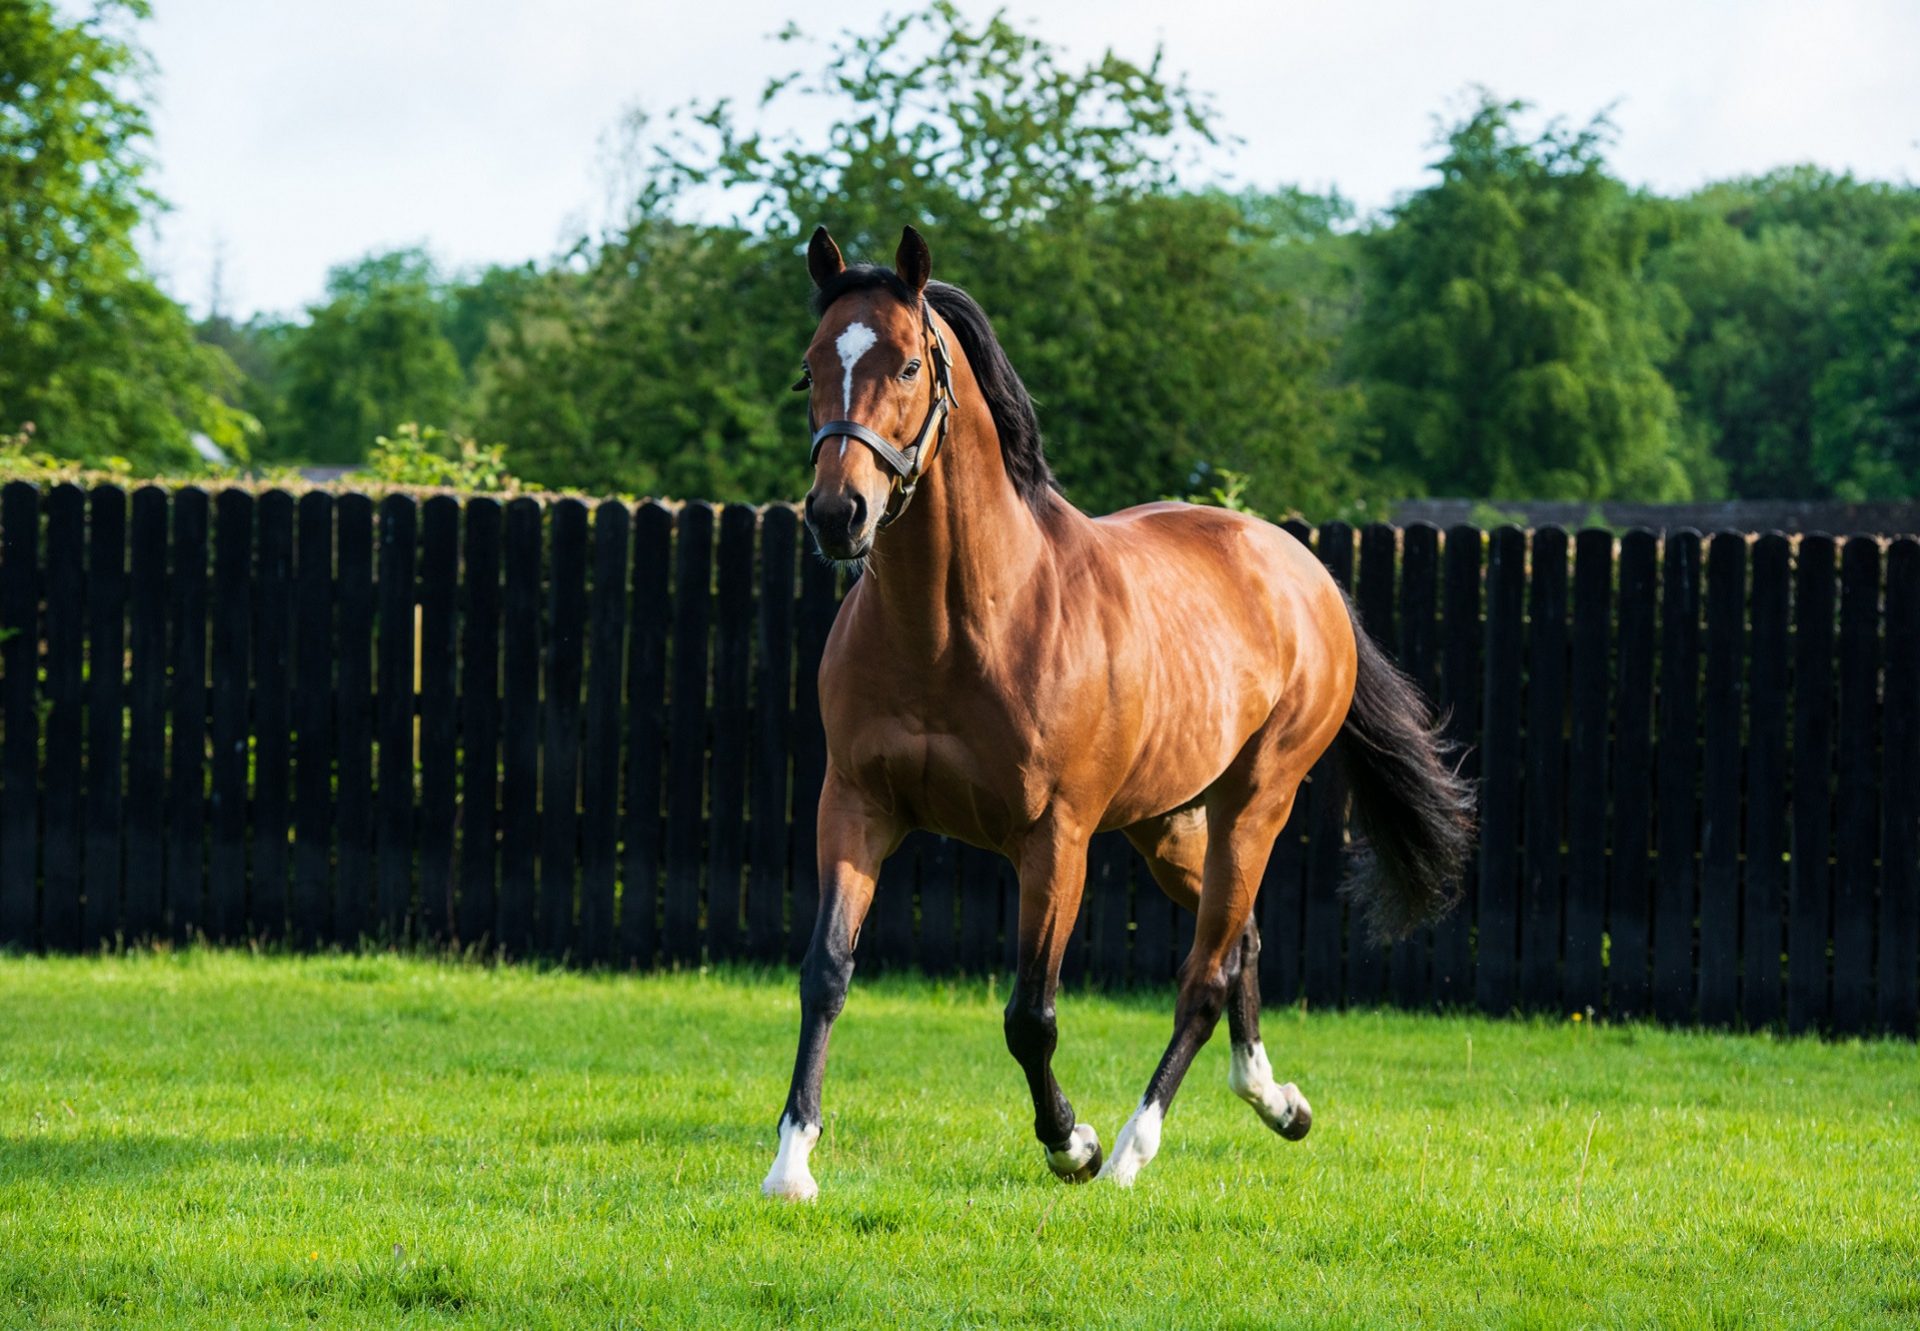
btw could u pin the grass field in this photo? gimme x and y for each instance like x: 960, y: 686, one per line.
x: 219, y: 1140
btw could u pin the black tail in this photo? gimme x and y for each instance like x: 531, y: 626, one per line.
x: 1413, y: 811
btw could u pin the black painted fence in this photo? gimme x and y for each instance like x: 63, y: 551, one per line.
x: 544, y: 728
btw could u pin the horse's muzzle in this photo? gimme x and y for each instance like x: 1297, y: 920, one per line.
x: 839, y: 525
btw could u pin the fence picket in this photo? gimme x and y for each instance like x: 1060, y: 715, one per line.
x: 1763, y: 895
x: 353, y: 720
x: 1677, y: 883
x: 1586, y: 794
x: 146, y: 717
x: 520, y: 626
x: 272, y: 647
x: 477, y: 922
x: 1719, y: 967
x: 313, y: 654
x: 1856, y: 871
x: 1897, y: 991
x: 187, y: 705
x: 1541, y: 919
x: 1810, y: 877
x: 566, y: 648
x: 20, y: 749
x: 646, y: 735
x: 600, y: 758
x: 772, y: 737
x: 687, y: 722
x: 106, y: 654
x: 732, y: 718
x: 1461, y: 684
x: 232, y: 604
x: 1630, y: 895
x: 393, y: 715
x: 439, y: 724
x: 1496, y: 954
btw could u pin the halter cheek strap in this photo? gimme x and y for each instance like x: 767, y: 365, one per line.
x: 907, y: 464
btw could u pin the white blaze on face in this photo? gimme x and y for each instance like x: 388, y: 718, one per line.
x: 789, y: 1177
x: 855, y: 341
x: 1137, y: 1143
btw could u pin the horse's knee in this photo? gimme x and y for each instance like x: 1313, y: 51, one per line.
x: 1203, y: 994
x: 825, y: 976
x: 1032, y: 1031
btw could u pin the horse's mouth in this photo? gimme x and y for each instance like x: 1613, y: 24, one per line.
x: 843, y: 551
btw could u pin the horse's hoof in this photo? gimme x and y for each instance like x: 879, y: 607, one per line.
x: 802, y: 1189
x: 1297, y: 1118
x: 1079, y: 1160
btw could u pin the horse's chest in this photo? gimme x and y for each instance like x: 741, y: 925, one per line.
x: 968, y: 785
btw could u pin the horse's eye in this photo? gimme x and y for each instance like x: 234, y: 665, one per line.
x: 805, y: 382
x: 913, y: 368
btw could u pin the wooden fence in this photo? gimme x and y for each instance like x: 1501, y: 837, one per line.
x: 551, y: 729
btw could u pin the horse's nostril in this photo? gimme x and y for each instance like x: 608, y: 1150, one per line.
x: 807, y: 508
x: 859, y: 512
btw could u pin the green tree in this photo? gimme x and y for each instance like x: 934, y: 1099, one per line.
x: 1774, y: 271
x: 1145, y: 320
x: 373, y: 355
x: 1508, y: 344
x: 1866, y: 436
x: 91, y: 351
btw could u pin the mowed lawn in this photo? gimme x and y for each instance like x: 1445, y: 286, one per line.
x: 222, y: 1140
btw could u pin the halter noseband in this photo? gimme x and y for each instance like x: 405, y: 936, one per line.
x: 907, y: 464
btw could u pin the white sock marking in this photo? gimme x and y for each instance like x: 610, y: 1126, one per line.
x: 1137, y: 1143
x: 1082, y: 1142
x: 789, y: 1177
x: 1251, y: 1077
x: 855, y: 341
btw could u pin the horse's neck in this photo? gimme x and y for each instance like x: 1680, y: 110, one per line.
x: 955, y: 560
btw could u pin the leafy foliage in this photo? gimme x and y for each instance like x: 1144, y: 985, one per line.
x: 1148, y: 323
x: 374, y: 353
x: 103, y: 364
x: 1783, y: 276
x: 1509, y: 344
x: 426, y: 456
x: 1525, y: 327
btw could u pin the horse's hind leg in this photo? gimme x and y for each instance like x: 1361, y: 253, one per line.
x: 1053, y: 875
x: 1280, y: 1106
x: 1175, y: 848
x: 1242, y: 822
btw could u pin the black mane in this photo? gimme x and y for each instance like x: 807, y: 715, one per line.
x: 1007, y: 397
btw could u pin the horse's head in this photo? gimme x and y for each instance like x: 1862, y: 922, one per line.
x: 876, y: 371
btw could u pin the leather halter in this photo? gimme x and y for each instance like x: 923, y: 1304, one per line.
x: 907, y: 464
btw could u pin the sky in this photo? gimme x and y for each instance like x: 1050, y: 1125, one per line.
x: 290, y: 137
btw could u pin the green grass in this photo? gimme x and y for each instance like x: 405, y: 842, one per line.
x: 218, y: 1140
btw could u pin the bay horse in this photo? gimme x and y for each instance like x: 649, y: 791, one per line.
x: 1015, y: 674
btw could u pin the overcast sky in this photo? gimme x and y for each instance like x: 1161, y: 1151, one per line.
x: 294, y: 136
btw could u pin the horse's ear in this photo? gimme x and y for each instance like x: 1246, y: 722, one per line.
x: 912, y: 261
x: 823, y: 258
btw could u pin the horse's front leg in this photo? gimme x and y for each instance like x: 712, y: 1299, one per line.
x: 1053, y: 874
x: 853, y: 839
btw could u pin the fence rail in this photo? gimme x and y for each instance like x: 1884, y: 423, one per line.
x: 591, y: 732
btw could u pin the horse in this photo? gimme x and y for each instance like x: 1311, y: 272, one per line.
x: 1017, y: 675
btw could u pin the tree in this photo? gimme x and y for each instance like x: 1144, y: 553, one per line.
x: 1774, y: 272
x: 373, y: 355
x: 91, y: 351
x: 1866, y: 436
x: 1509, y: 346
x: 1144, y: 319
